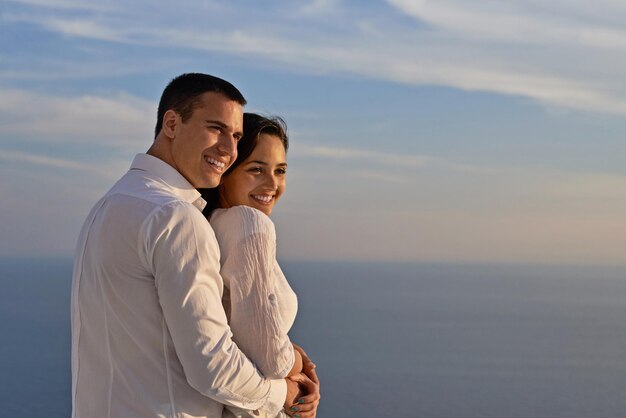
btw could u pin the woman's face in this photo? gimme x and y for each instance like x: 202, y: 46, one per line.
x: 259, y: 181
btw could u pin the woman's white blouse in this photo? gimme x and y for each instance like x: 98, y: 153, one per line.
x: 260, y: 304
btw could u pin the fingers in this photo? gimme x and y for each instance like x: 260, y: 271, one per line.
x: 311, y: 389
x: 310, y: 398
x: 303, y: 410
x: 307, y: 364
x: 312, y: 374
x: 306, y: 383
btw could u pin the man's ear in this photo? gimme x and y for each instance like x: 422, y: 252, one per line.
x: 171, y: 121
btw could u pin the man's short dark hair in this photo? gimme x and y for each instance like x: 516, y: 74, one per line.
x: 182, y: 95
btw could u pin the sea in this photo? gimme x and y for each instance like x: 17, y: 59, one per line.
x: 389, y: 339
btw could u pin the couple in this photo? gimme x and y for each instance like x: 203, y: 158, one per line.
x: 166, y: 323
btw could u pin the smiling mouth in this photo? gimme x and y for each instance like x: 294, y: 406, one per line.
x: 263, y: 199
x: 218, y: 165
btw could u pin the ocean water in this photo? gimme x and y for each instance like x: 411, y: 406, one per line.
x: 389, y: 340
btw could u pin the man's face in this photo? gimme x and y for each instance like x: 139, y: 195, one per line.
x: 205, y: 145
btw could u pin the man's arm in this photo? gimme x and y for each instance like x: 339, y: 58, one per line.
x: 182, y: 254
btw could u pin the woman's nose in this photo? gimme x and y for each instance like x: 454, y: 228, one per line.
x: 272, y: 181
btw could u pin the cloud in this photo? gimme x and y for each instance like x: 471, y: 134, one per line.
x: 44, y: 209
x: 339, y: 179
x: 44, y: 161
x: 604, y: 190
x: 527, y: 214
x: 86, y: 28
x: 317, y: 7
x: 353, y: 154
x: 390, y: 161
x: 65, y: 4
x: 381, y: 177
x: 352, y: 202
x: 551, y: 54
x: 119, y: 120
x: 452, y: 235
x: 512, y: 22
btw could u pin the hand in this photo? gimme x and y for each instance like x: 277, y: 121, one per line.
x: 308, y: 367
x: 305, y: 406
x: 293, y: 393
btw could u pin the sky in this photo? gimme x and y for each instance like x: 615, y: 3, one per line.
x: 422, y: 131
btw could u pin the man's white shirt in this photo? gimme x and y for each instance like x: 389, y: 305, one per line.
x: 149, y: 334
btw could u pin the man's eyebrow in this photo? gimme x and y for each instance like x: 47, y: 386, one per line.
x: 222, y: 125
x: 216, y: 122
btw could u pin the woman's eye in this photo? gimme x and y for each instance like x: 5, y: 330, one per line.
x: 281, y: 171
x: 256, y: 170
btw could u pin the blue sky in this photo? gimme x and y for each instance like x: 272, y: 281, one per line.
x: 428, y: 131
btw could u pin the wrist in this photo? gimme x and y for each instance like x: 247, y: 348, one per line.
x: 297, y: 363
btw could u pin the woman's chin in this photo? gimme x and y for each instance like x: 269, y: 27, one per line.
x: 266, y: 208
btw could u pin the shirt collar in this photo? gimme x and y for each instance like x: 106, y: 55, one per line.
x: 179, y: 184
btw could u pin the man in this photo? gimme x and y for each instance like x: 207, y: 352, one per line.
x: 149, y: 334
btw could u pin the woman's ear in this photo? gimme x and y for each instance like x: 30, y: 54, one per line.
x: 171, y: 121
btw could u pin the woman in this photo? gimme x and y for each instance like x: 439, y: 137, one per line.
x: 260, y: 304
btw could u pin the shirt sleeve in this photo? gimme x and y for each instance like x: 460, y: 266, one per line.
x: 184, y: 257
x: 254, y: 315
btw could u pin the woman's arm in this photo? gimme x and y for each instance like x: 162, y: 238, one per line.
x: 255, y: 318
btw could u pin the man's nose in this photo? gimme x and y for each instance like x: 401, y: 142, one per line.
x: 228, y: 144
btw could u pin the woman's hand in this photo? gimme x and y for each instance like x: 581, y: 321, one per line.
x: 305, y: 406
x: 308, y: 367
